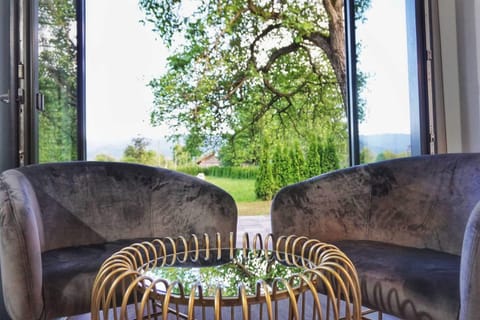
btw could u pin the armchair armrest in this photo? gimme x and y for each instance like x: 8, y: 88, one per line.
x: 330, y: 207
x: 470, y: 268
x: 20, y: 258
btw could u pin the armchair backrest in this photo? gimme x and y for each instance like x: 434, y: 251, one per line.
x: 422, y: 201
x: 81, y: 203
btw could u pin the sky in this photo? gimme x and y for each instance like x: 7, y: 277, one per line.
x: 383, y: 58
x: 122, y: 56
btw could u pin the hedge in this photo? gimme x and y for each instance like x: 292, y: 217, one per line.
x: 249, y: 172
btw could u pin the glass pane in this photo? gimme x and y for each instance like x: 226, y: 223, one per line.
x: 122, y: 56
x: 386, y: 101
x: 58, y: 80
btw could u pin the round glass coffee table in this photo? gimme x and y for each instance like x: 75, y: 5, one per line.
x: 289, y: 277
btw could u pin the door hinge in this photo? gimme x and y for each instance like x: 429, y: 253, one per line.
x: 21, y: 71
x: 20, y: 96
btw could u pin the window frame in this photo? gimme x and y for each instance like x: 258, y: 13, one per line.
x: 424, y: 121
x: 81, y: 83
x: 421, y: 117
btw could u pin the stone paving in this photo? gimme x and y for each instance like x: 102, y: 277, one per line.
x: 253, y: 225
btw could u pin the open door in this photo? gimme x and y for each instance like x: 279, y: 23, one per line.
x: 59, y: 106
x: 19, y: 94
x: 41, y: 82
x: 8, y: 107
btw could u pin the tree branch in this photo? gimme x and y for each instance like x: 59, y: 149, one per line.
x: 259, y: 11
x: 322, y: 41
x: 282, y: 94
x: 277, y: 54
x: 262, y: 34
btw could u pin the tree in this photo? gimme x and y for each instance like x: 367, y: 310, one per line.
x: 181, y: 156
x: 104, y: 157
x: 137, y: 152
x: 264, y: 183
x: 248, y: 69
x: 388, y: 155
x: 280, y: 166
x: 330, y: 159
x: 297, y: 161
x: 313, y: 158
x: 366, y: 155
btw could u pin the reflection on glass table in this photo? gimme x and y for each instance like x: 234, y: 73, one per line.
x: 246, y: 267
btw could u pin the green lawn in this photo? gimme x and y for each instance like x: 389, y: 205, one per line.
x: 243, y: 192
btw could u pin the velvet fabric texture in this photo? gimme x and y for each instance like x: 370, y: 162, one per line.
x: 408, y: 224
x: 59, y: 222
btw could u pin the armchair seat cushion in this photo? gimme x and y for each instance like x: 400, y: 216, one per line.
x: 409, y: 282
x: 66, y: 272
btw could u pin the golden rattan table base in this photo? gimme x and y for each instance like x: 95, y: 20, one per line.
x: 290, y: 277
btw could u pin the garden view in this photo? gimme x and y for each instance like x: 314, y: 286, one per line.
x: 260, y: 84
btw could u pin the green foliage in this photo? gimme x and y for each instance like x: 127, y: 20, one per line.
x: 105, y: 157
x: 280, y: 166
x: 313, y: 158
x: 298, y: 164
x: 57, y: 81
x: 330, y: 160
x: 181, y: 156
x: 366, y: 155
x: 137, y: 152
x: 249, y: 172
x: 387, y: 155
x: 290, y: 164
x: 265, y: 186
x: 361, y: 6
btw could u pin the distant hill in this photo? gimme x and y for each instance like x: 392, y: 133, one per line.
x: 116, y: 149
x: 394, y: 142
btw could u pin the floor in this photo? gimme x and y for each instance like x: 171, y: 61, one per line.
x: 251, y: 225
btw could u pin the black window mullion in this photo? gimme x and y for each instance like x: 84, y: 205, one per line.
x: 352, y: 95
x: 81, y: 116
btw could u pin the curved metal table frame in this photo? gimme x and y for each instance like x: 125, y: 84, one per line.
x: 125, y: 288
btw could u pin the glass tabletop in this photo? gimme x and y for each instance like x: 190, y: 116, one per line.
x: 246, y: 267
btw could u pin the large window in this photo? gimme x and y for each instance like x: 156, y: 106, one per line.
x: 385, y: 110
x: 388, y: 69
x: 387, y: 118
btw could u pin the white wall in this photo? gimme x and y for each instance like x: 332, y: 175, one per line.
x: 450, y: 76
x: 460, y: 42
x: 468, y: 31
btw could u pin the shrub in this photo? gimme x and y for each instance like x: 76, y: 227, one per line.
x: 265, y: 184
x: 248, y: 172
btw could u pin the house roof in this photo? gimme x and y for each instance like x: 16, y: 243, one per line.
x: 207, y: 157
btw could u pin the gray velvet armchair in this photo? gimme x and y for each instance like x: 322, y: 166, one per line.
x: 411, y: 226
x: 58, y: 222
